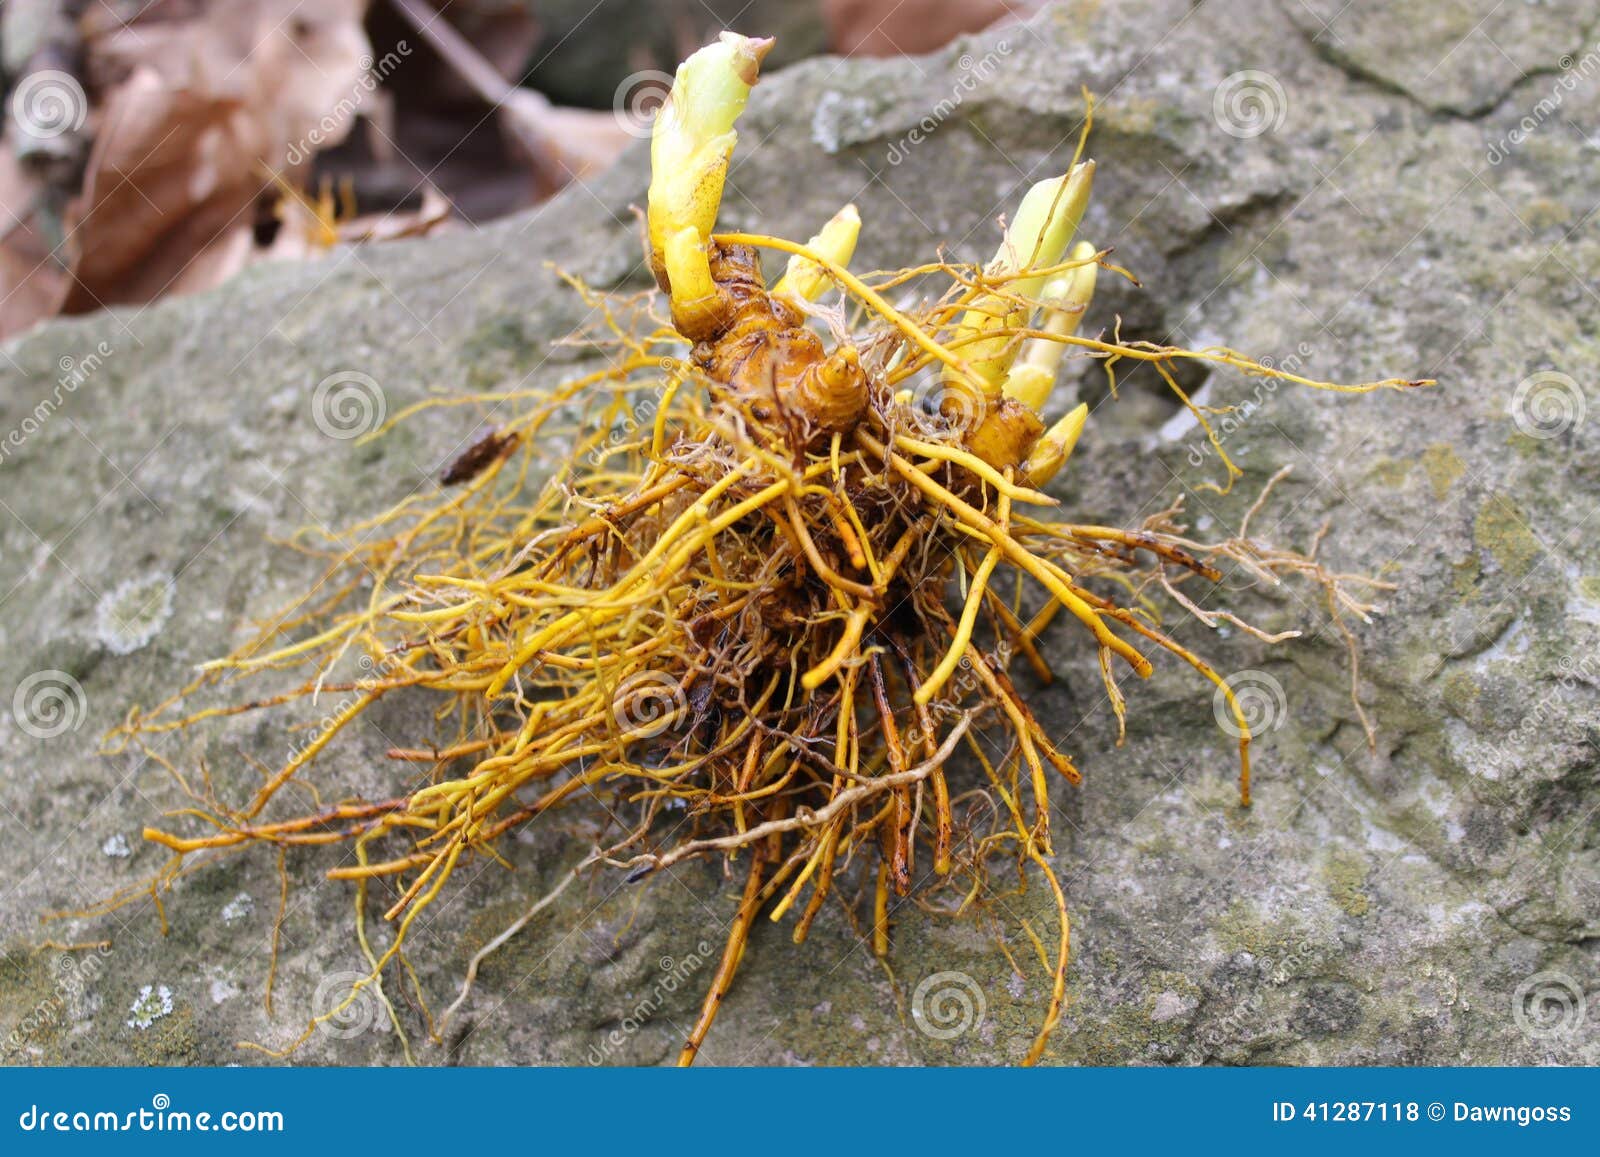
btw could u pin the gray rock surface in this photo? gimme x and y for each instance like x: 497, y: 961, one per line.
x: 1378, y: 195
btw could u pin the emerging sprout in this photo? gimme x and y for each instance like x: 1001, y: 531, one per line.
x: 1065, y: 298
x: 690, y: 147
x: 1037, y: 238
x: 1054, y: 447
x: 1003, y: 427
x: 804, y: 278
x: 753, y: 343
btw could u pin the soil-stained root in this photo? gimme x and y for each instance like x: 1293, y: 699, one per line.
x: 763, y: 609
x: 757, y: 347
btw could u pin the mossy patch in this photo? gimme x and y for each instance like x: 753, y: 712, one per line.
x: 1240, y: 929
x: 1285, y: 947
x: 36, y: 1017
x: 1167, y: 989
x: 1151, y: 1027
x: 1501, y: 528
x: 1443, y: 466
x: 1546, y: 213
x: 1462, y: 694
x: 1345, y: 875
x: 169, y: 1041
x: 1388, y: 473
